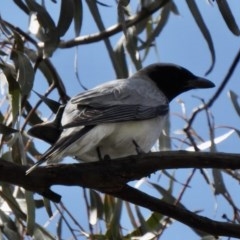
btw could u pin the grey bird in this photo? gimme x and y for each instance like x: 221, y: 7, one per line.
x: 117, y: 118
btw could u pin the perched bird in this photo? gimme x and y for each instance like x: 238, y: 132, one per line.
x: 117, y: 118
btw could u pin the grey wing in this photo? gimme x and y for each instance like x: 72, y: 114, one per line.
x: 115, y: 102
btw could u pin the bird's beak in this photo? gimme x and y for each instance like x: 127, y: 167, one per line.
x: 199, y: 82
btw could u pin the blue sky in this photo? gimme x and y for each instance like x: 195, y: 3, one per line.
x: 180, y: 42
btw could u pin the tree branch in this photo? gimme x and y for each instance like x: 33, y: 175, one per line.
x: 99, y: 175
x: 133, y: 20
x: 192, y: 220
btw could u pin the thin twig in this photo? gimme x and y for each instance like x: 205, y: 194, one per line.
x: 133, y: 20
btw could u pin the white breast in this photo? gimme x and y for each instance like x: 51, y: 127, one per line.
x: 116, y: 139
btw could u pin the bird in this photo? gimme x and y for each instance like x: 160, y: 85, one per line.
x: 117, y: 118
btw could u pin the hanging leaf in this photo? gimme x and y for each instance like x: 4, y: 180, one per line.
x: 42, y: 17
x: 204, y: 30
x: 8, y: 227
x: 30, y: 212
x: 53, y: 105
x: 14, y: 89
x: 99, y: 22
x: 113, y: 231
x: 228, y: 16
x: 25, y: 73
x: 41, y: 233
x: 207, y: 144
x: 43, y: 27
x: 121, y: 58
x: 96, y: 207
x: 22, y: 6
x: 77, y: 16
x: 66, y: 16
x: 219, y: 185
x: 234, y: 97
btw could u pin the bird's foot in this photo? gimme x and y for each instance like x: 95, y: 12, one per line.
x: 137, y: 148
x: 106, y: 157
x: 99, y: 154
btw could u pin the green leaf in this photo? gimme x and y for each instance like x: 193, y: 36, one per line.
x: 208, y: 144
x: 60, y: 227
x: 49, y: 72
x: 234, y: 97
x: 33, y: 118
x: 43, y: 27
x: 30, y: 212
x: 113, y: 231
x: 228, y: 16
x: 219, y: 185
x: 144, y: 227
x: 43, y: 17
x: 66, y: 16
x: 16, y: 151
x: 48, y: 207
x: 153, y: 223
x: 14, y: 89
x: 25, y: 72
x: 78, y: 16
x: 121, y: 58
x: 53, y: 105
x: 99, y: 22
x: 8, y: 227
x: 152, y: 33
x: 96, y: 207
x: 164, y: 139
x: 203, y: 28
x: 40, y: 233
x: 22, y: 6
x: 8, y: 197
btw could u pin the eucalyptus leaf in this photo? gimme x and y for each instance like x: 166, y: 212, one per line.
x: 8, y: 227
x: 40, y: 233
x: 142, y: 221
x: 152, y: 224
x: 234, y: 99
x: 43, y: 27
x: 113, y: 231
x: 33, y: 118
x: 22, y: 6
x: 77, y: 16
x: 30, y: 212
x: 207, y: 144
x: 59, y: 227
x: 7, y: 195
x: 228, y: 16
x: 99, y: 21
x: 153, y: 32
x: 43, y: 17
x: 25, y: 73
x: 121, y: 58
x: 204, y: 30
x: 96, y: 207
x: 53, y: 105
x: 48, y: 207
x: 14, y: 88
x: 66, y: 16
